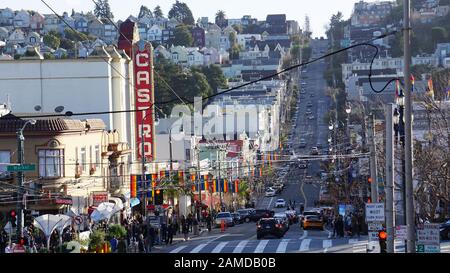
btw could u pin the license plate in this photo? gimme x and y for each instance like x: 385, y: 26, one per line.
x: 267, y: 226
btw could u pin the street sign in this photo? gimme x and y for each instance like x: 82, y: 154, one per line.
x: 78, y: 220
x: 428, y: 235
x: 373, y: 235
x: 375, y: 226
x: 420, y: 249
x: 21, y: 168
x: 432, y: 249
x: 375, y: 212
x: 400, y: 232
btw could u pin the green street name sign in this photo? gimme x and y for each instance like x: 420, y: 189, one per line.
x: 21, y: 168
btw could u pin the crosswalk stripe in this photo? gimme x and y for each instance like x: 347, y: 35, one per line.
x: 305, y: 244
x: 261, y: 246
x: 282, y: 246
x: 240, y: 247
x: 198, y: 248
x: 305, y: 233
x: 219, y: 247
x: 327, y: 244
x: 178, y: 249
x: 353, y: 241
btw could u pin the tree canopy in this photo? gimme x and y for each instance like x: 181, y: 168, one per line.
x: 103, y: 10
x: 144, y: 11
x: 221, y: 19
x: 181, y: 12
x: 157, y: 12
x: 51, y: 40
x: 183, y: 36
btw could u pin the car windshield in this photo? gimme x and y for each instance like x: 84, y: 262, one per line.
x: 280, y: 200
x: 309, y: 213
x: 223, y: 215
x: 267, y: 221
x: 312, y: 218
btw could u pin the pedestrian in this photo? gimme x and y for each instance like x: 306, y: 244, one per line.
x: 141, y: 243
x: 184, y: 227
x: 163, y: 231
x: 195, y: 225
x: 208, y: 222
x: 189, y: 222
x: 170, y: 232
x: 113, y: 242
x: 122, y: 246
x: 340, y: 226
x: 334, y: 224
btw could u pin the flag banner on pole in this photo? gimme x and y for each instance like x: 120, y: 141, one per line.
x: 161, y: 174
x: 192, y: 177
x: 153, y: 189
x: 412, y: 82
x: 397, y: 88
x: 181, y: 177
x: 214, y: 185
x: 253, y: 172
x: 223, y: 185
x: 430, y: 88
x: 260, y: 172
x: 133, y: 186
x: 205, y: 185
x: 236, y: 185
x: 154, y: 176
x: 194, y: 188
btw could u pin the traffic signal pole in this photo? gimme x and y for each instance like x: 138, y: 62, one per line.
x: 20, y: 160
x: 373, y: 160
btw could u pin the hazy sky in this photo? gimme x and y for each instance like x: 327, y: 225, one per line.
x: 319, y: 11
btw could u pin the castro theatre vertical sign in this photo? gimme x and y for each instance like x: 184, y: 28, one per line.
x: 144, y: 98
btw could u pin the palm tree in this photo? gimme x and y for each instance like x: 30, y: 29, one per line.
x: 221, y: 19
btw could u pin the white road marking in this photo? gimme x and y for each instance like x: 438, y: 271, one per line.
x: 282, y: 246
x: 218, y: 237
x: 219, y: 247
x: 198, y: 248
x: 178, y: 249
x: 270, y: 203
x: 261, y: 246
x: 305, y: 233
x: 240, y: 247
x: 304, y: 246
x: 326, y: 244
x: 352, y: 241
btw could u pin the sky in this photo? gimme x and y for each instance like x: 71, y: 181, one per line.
x: 319, y: 11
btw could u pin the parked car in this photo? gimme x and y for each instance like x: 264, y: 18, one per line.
x: 262, y: 213
x: 224, y: 216
x: 269, y: 226
x: 312, y: 221
x: 270, y: 192
x: 445, y: 230
x: 237, y: 218
x: 280, y: 203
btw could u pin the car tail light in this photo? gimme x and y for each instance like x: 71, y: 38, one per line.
x: 258, y: 226
x: 278, y: 226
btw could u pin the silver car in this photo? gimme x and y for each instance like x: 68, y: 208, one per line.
x: 224, y: 216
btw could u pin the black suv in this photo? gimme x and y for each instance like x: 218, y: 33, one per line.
x: 262, y: 213
x: 269, y: 226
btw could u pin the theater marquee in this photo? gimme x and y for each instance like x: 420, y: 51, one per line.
x: 144, y: 98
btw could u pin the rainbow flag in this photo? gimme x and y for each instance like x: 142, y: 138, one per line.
x: 430, y: 88
x: 194, y: 188
x: 154, y: 176
x: 236, y: 185
x: 133, y: 186
x: 412, y: 82
x: 214, y: 185
x: 206, y: 185
x: 192, y: 177
x: 153, y: 188
x: 225, y: 185
x: 181, y: 177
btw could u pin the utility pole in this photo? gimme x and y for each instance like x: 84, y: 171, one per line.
x: 410, y: 218
x: 373, y: 160
x: 390, y: 177
x: 198, y: 179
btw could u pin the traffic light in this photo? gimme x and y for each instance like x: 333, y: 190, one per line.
x: 159, y: 197
x: 28, y: 218
x: 13, y: 217
x: 382, y: 236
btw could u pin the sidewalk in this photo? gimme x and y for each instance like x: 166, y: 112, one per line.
x: 179, y: 238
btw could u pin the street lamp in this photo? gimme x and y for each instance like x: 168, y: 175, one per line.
x: 348, y: 109
x: 21, y: 159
